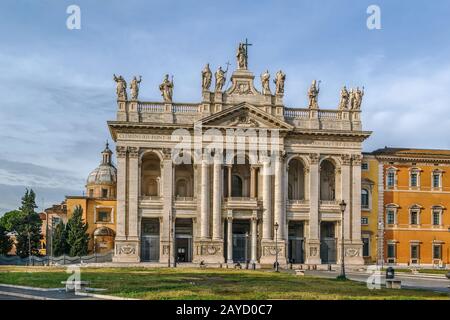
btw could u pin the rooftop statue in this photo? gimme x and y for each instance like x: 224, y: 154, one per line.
x: 241, y: 56
x: 265, y: 77
x: 313, y: 94
x: 220, y: 78
x: 343, y: 103
x: 166, y: 88
x: 134, y: 86
x: 121, y: 88
x: 206, y: 77
x: 280, y: 77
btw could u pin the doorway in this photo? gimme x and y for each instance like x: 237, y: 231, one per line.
x: 241, y: 241
x: 328, y: 243
x: 150, y: 240
x: 296, y: 240
x: 183, y: 240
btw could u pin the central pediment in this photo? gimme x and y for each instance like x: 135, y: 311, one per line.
x: 244, y: 115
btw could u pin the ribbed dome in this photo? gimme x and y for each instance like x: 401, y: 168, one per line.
x: 105, y: 173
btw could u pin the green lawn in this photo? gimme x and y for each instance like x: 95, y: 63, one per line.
x: 163, y: 283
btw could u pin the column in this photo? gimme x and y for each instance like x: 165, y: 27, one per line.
x: 204, y: 214
x: 279, y: 207
x: 230, y: 240
x: 254, y: 238
x: 121, y: 192
x: 133, y: 189
x: 229, y: 180
x: 313, y: 241
x: 314, y: 197
x: 345, y: 194
x: 267, y: 203
x: 167, y: 193
x: 217, y: 200
x: 253, y: 182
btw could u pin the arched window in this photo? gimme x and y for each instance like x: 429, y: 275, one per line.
x: 236, y: 186
x: 150, y: 175
x: 327, y: 180
x: 296, y: 180
x: 364, y: 199
x: 181, y: 188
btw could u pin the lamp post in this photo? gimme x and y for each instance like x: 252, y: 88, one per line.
x: 342, y: 276
x: 276, y: 246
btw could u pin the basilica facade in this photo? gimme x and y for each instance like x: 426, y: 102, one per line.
x: 238, y: 176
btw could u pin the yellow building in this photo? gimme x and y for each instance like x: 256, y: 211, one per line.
x: 416, y: 200
x: 99, y: 205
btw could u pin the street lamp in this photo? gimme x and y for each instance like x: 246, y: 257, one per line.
x: 342, y: 276
x: 276, y: 246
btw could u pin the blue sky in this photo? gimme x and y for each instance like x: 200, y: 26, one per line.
x: 57, y: 90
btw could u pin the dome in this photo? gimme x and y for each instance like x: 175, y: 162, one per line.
x: 105, y: 173
x: 103, y: 232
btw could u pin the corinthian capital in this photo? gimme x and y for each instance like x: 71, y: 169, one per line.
x: 314, y: 158
x: 121, y: 151
x: 133, y: 152
x: 356, y: 158
x: 346, y: 159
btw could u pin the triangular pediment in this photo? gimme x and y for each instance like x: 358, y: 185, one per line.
x: 244, y: 115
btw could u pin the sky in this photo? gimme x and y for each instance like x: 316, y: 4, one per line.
x: 57, y: 90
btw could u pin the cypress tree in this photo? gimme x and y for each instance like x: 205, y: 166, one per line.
x: 77, y: 237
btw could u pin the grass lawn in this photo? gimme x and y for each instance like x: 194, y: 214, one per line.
x: 196, y: 284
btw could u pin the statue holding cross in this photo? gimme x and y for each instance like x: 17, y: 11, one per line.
x: 242, y: 54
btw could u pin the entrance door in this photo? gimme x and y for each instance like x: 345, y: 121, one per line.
x: 150, y: 240
x: 328, y: 243
x: 184, y: 248
x: 296, y: 242
x: 150, y: 248
x: 296, y: 250
x: 240, y: 248
x: 183, y: 240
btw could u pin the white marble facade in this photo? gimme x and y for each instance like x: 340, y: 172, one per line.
x: 224, y: 210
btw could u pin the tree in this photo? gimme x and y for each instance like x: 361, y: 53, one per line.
x: 11, y: 219
x: 77, y: 237
x: 28, y: 226
x: 6, y: 242
x: 60, y: 246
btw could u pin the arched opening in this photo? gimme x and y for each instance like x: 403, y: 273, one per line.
x: 327, y: 181
x: 236, y: 186
x: 296, y: 180
x: 184, y: 180
x: 150, y: 175
x: 240, y: 179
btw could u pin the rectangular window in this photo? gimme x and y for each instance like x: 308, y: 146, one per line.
x: 91, y: 193
x: 366, y: 247
x: 390, y: 217
x: 365, y: 166
x: 103, y: 216
x: 391, y: 251
x: 414, y: 218
x: 436, y: 218
x: 413, y: 179
x: 364, y: 221
x: 104, y: 193
x: 437, y: 251
x: 436, y: 180
x: 415, y: 251
x: 391, y: 179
